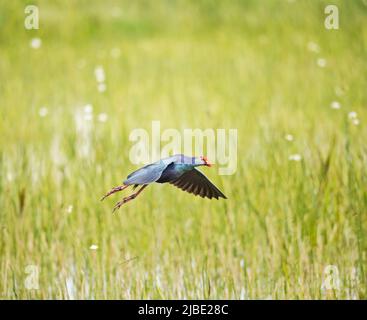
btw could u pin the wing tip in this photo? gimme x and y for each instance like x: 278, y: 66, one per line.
x: 215, y: 197
x: 221, y: 195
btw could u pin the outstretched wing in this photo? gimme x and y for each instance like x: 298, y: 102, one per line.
x: 195, y: 182
x: 147, y: 174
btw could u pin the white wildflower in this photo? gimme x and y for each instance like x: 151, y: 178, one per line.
x: 102, y: 117
x: 99, y: 73
x: 288, y: 137
x: 352, y: 115
x: 93, y: 247
x: 69, y: 209
x: 88, y: 108
x: 355, y: 122
x: 70, y: 288
x: 35, y: 43
x: 243, y: 294
x: 295, y: 157
x: 335, y: 105
x: 43, y: 112
x: 242, y: 263
x: 321, y: 62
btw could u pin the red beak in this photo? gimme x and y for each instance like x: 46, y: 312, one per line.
x: 207, y: 163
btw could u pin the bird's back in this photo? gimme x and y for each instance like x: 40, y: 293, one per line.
x: 146, y: 174
x: 153, y: 172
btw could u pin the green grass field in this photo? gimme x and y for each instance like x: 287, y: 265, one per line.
x: 268, y: 69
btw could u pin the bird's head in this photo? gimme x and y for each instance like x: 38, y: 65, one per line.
x: 205, y: 162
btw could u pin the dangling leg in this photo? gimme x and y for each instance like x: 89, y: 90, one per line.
x: 116, y: 189
x: 127, y: 199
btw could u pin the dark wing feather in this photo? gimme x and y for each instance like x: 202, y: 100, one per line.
x: 195, y: 182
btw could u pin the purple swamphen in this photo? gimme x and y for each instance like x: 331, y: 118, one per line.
x: 178, y: 170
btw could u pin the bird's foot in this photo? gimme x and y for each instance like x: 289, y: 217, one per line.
x: 113, y: 190
x: 123, y: 201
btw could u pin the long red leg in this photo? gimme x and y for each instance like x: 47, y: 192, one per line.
x: 113, y: 190
x: 129, y: 198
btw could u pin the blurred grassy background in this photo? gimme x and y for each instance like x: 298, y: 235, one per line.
x: 255, y: 66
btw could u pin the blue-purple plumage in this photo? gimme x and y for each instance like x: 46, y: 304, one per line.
x: 178, y: 170
x: 176, y: 165
x: 148, y: 174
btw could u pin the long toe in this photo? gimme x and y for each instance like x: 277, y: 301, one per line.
x: 117, y: 206
x: 114, y: 190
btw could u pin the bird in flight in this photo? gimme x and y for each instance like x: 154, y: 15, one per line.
x: 178, y: 170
